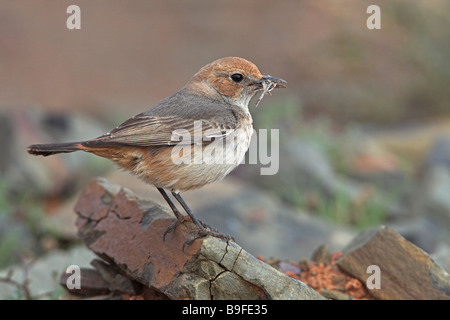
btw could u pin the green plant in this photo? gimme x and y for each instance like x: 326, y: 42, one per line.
x: 361, y: 211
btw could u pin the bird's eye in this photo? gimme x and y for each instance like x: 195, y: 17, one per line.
x: 237, y: 77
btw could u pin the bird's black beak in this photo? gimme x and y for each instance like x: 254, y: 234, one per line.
x: 266, y: 84
x: 280, y: 83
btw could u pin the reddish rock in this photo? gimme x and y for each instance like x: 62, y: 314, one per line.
x: 127, y: 232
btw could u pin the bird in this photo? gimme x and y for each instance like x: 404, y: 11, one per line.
x: 189, y: 139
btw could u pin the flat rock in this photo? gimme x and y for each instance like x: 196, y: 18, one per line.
x: 92, y: 283
x: 127, y: 231
x: 406, y: 271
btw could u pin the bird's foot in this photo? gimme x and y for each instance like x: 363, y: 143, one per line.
x: 207, y: 232
x: 180, y: 220
x: 203, y: 230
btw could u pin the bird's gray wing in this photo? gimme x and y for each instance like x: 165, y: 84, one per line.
x: 172, y: 121
x: 147, y: 130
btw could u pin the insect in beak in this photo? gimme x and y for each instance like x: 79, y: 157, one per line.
x: 267, y: 84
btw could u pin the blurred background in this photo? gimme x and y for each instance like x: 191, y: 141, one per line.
x: 364, y: 124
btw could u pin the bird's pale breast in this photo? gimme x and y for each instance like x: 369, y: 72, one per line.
x: 199, y: 165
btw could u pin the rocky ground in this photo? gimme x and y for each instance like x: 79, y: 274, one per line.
x: 268, y: 226
x: 136, y: 262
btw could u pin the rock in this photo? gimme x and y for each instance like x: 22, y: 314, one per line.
x: 437, y: 184
x: 106, y: 281
x: 335, y: 295
x: 320, y: 255
x: 434, y: 183
x: 406, y: 272
x: 442, y: 256
x: 316, y: 172
x: 117, y: 281
x: 41, y: 274
x: 127, y: 232
x: 439, y: 153
x: 92, y: 283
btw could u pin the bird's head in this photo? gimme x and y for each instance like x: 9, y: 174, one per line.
x: 235, y: 79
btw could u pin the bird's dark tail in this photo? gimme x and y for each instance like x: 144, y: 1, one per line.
x: 54, y: 148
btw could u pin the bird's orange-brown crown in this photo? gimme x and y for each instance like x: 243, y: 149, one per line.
x: 230, y: 76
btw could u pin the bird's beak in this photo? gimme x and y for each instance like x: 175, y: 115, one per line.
x: 266, y: 84
x: 280, y: 83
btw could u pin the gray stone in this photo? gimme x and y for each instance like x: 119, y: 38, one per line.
x: 43, y: 274
x: 230, y: 286
x: 439, y: 154
x: 404, y: 270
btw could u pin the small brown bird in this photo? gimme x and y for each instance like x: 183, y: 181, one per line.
x: 210, y: 114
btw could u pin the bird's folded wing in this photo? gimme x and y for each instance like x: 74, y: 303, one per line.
x: 145, y: 130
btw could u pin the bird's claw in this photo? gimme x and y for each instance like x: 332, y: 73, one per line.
x: 203, y: 230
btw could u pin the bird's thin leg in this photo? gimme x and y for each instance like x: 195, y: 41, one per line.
x: 180, y: 217
x: 170, y: 203
x: 189, y: 211
x: 204, y: 228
